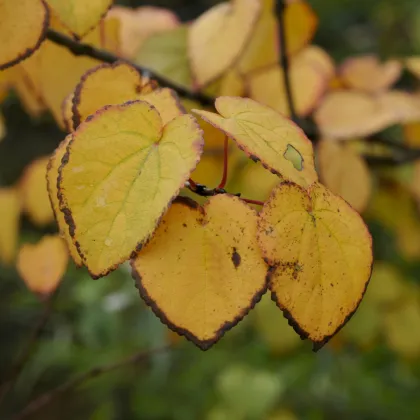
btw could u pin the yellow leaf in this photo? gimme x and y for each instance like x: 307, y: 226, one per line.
x: 52, y: 176
x: 202, y: 272
x: 222, y: 32
x: 398, y: 328
x: 264, y: 134
x: 114, y: 84
x: 33, y: 189
x: 308, y: 83
x: 318, y: 58
x: 255, y: 182
x: 121, y: 170
x: 413, y: 65
x: 344, y: 114
x: 56, y: 71
x: 404, y: 107
x: 79, y: 16
x: 300, y: 25
x: 262, y: 49
x: 272, y: 327
x: 412, y: 134
x: 10, y: 207
x: 320, y: 252
x: 138, y: 24
x: 42, y: 265
x: 67, y: 113
x: 23, y: 25
x: 345, y: 173
x: 105, y: 84
x: 166, y: 54
x: 368, y: 74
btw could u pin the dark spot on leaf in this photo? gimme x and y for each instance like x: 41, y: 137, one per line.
x: 236, y: 258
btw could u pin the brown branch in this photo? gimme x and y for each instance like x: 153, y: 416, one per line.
x: 25, y: 354
x: 284, y: 59
x: 401, y: 155
x: 79, y: 48
x: 72, y: 384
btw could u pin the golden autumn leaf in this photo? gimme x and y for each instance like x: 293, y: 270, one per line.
x: 79, y: 16
x: 263, y: 134
x: 222, y: 32
x: 42, y: 265
x: 138, y: 24
x: 344, y: 114
x: 301, y: 23
x: 56, y: 71
x: 319, y: 58
x: 67, y: 113
x: 368, y: 74
x: 403, y: 107
x: 166, y: 54
x: 320, y: 252
x: 10, y: 207
x: 114, y: 84
x: 23, y: 25
x: 202, y: 271
x: 121, y: 170
x: 34, y: 192
x: 412, y: 134
x: 52, y: 176
x: 253, y: 180
x: 262, y: 49
x: 413, y: 65
x: 344, y: 172
x: 308, y: 83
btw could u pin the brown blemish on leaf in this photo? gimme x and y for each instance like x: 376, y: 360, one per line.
x: 236, y: 258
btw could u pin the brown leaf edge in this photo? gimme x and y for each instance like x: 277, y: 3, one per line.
x: 228, y: 325
x: 316, y: 345
x: 79, y: 87
x: 68, y: 217
x: 78, y: 37
x: 241, y: 146
x: 50, y: 194
x: 29, y: 51
x: 238, y: 56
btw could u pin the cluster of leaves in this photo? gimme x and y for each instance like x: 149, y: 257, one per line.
x: 132, y: 148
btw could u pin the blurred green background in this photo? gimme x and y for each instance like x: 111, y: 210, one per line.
x: 260, y: 369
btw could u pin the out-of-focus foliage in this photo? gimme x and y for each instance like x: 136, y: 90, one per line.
x: 260, y: 370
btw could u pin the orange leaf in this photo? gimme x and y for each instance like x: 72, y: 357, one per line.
x: 42, y: 265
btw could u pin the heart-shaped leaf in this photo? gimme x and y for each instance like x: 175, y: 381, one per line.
x: 202, y: 272
x: 121, y: 170
x: 23, y: 25
x: 264, y: 134
x: 320, y: 252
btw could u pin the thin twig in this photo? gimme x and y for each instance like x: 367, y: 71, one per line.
x: 249, y: 201
x: 25, y: 354
x: 72, y: 384
x: 79, y: 48
x: 284, y: 59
